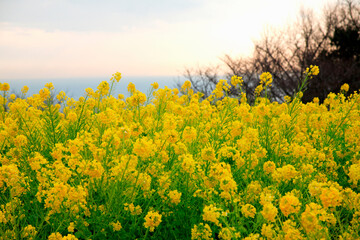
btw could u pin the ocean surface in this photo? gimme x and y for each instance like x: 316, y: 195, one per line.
x: 75, y: 87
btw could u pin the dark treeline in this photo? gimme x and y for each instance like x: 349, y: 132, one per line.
x: 330, y: 41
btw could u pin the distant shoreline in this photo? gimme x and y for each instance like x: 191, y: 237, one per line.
x: 75, y: 87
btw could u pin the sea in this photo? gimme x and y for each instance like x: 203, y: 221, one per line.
x: 75, y: 87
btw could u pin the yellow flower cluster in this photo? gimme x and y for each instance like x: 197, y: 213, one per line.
x: 289, y: 204
x: 266, y: 79
x: 312, y: 70
x: 117, y: 226
x: 116, y: 76
x: 175, y: 165
x: 134, y: 210
x: 248, y: 210
x: 212, y: 214
x: 222, y: 86
x: 152, y: 220
x: 201, y: 232
x: 265, y: 82
x: 4, y: 87
x: 236, y: 80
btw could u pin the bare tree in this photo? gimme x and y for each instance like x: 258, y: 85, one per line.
x: 202, y: 80
x: 331, y: 41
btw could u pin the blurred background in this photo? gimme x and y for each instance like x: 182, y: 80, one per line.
x: 78, y: 43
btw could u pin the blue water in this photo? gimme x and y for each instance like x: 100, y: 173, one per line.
x: 75, y: 87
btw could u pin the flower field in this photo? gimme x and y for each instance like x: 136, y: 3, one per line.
x: 171, y: 165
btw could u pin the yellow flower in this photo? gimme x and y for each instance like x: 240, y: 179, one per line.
x: 226, y: 233
x: 211, y: 214
x: 201, y: 232
x: 25, y: 89
x: 49, y: 86
x: 138, y: 98
x: 186, y: 85
x: 4, y: 87
x: 175, y: 196
x: 291, y: 233
x: 188, y: 163
x: 312, y: 71
x: 253, y: 190
x: 269, y: 212
x: 269, y: 167
x: 175, y: 91
x: 228, y: 186
x: 248, y: 210
x: 144, y: 147
x: 20, y: 140
x: 313, y: 216
x: 287, y: 99
x: 309, y: 218
x: 285, y: 173
x: 258, y: 90
x: 71, y: 227
x: 121, y: 96
x: 133, y: 210
x: 354, y: 173
x: 69, y: 237
x: 155, y: 85
x: 237, y: 127
x: 2, y: 217
x: 345, y: 87
x: 44, y: 93
x: 171, y: 135
x: 103, y: 88
x: 331, y: 197
x: 116, y: 226
x: 117, y: 76
x: 72, y: 116
x: 29, y: 232
x: 152, y: 220
x: 268, y: 231
x: 289, y: 204
x: 61, y: 96
x: 236, y: 80
x: 266, y: 79
x: 208, y: 154
x: 55, y: 236
x: 131, y: 88
x: 89, y: 91
x: 252, y: 236
x: 94, y: 169
x: 189, y: 134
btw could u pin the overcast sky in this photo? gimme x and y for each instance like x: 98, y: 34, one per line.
x: 91, y: 38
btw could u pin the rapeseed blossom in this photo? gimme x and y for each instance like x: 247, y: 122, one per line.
x: 155, y: 85
x: 175, y: 197
x: 116, y: 226
x: 312, y: 70
x: 152, y: 220
x: 172, y: 163
x: 269, y: 212
x: 4, y: 87
x: 211, y: 214
x: 266, y: 79
x: 117, y: 76
x: 134, y: 210
x: 236, y: 80
x: 248, y: 210
x: 289, y: 204
x: 345, y: 87
x: 201, y: 232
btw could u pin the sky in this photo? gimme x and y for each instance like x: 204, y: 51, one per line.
x: 90, y: 38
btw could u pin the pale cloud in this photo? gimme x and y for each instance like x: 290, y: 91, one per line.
x: 92, y: 38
